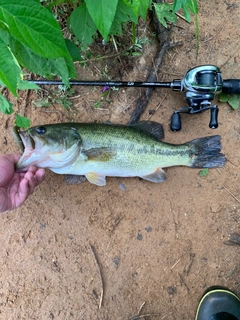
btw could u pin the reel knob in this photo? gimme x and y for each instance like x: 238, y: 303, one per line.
x: 213, y: 124
x: 175, y: 122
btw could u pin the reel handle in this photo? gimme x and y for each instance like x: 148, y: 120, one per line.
x: 176, y: 122
x: 213, y: 124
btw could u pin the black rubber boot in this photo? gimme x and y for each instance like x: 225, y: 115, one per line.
x: 218, y: 304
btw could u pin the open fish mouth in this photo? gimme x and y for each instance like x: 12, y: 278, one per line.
x: 27, y: 145
x: 26, y: 140
x: 23, y: 139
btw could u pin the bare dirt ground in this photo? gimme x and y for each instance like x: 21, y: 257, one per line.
x: 158, y: 246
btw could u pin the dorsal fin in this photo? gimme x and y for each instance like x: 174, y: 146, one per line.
x: 155, y: 129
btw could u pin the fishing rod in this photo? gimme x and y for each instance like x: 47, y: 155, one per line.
x: 199, y: 86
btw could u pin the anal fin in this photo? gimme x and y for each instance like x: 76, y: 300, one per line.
x: 96, y: 178
x: 157, y: 176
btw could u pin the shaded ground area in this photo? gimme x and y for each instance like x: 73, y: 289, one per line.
x: 157, y: 246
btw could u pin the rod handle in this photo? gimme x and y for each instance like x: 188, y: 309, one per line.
x: 231, y: 86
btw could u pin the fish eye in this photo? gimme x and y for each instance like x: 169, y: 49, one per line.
x: 41, y: 130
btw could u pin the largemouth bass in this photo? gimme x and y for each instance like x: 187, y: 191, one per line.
x: 100, y: 150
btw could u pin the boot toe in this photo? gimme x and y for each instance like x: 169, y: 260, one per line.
x: 218, y: 304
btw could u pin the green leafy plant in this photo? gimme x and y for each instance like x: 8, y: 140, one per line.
x: 106, y: 17
x: 136, y: 48
x: 204, y: 172
x: 32, y: 39
x: 59, y: 96
x: 91, y: 16
x: 22, y: 122
x: 164, y: 12
x: 233, y: 100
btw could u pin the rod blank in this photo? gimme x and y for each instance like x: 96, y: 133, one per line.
x: 106, y: 83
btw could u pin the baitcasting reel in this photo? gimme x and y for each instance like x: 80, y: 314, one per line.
x: 200, y: 84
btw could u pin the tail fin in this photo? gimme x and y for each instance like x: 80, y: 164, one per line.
x: 205, y: 152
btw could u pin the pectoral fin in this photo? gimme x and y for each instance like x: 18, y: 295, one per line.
x: 96, y: 178
x: 99, y: 154
x: 157, y: 176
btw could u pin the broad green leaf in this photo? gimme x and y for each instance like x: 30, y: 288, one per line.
x: 30, y: 60
x: 123, y: 14
x: 73, y: 50
x: 234, y: 101
x: 22, y: 122
x: 138, y: 7
x: 56, y: 2
x: 164, y: 11
x: 223, y: 97
x: 62, y: 67
x: 179, y: 4
x: 9, y: 71
x: 34, y: 26
x: 4, y: 34
x: 26, y: 85
x: 82, y: 25
x: 5, y: 105
x: 134, y: 5
x: 102, y: 13
x: 144, y: 6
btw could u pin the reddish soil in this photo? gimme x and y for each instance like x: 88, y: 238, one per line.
x: 158, y: 246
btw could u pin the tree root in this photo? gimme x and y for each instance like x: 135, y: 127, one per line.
x: 164, y: 35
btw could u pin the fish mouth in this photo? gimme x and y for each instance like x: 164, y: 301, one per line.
x: 27, y: 146
x: 27, y: 140
x: 23, y: 139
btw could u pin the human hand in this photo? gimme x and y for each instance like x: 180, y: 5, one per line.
x: 15, y: 187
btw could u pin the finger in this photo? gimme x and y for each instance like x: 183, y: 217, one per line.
x: 32, y: 169
x: 40, y: 176
x: 23, y: 192
x: 30, y: 184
